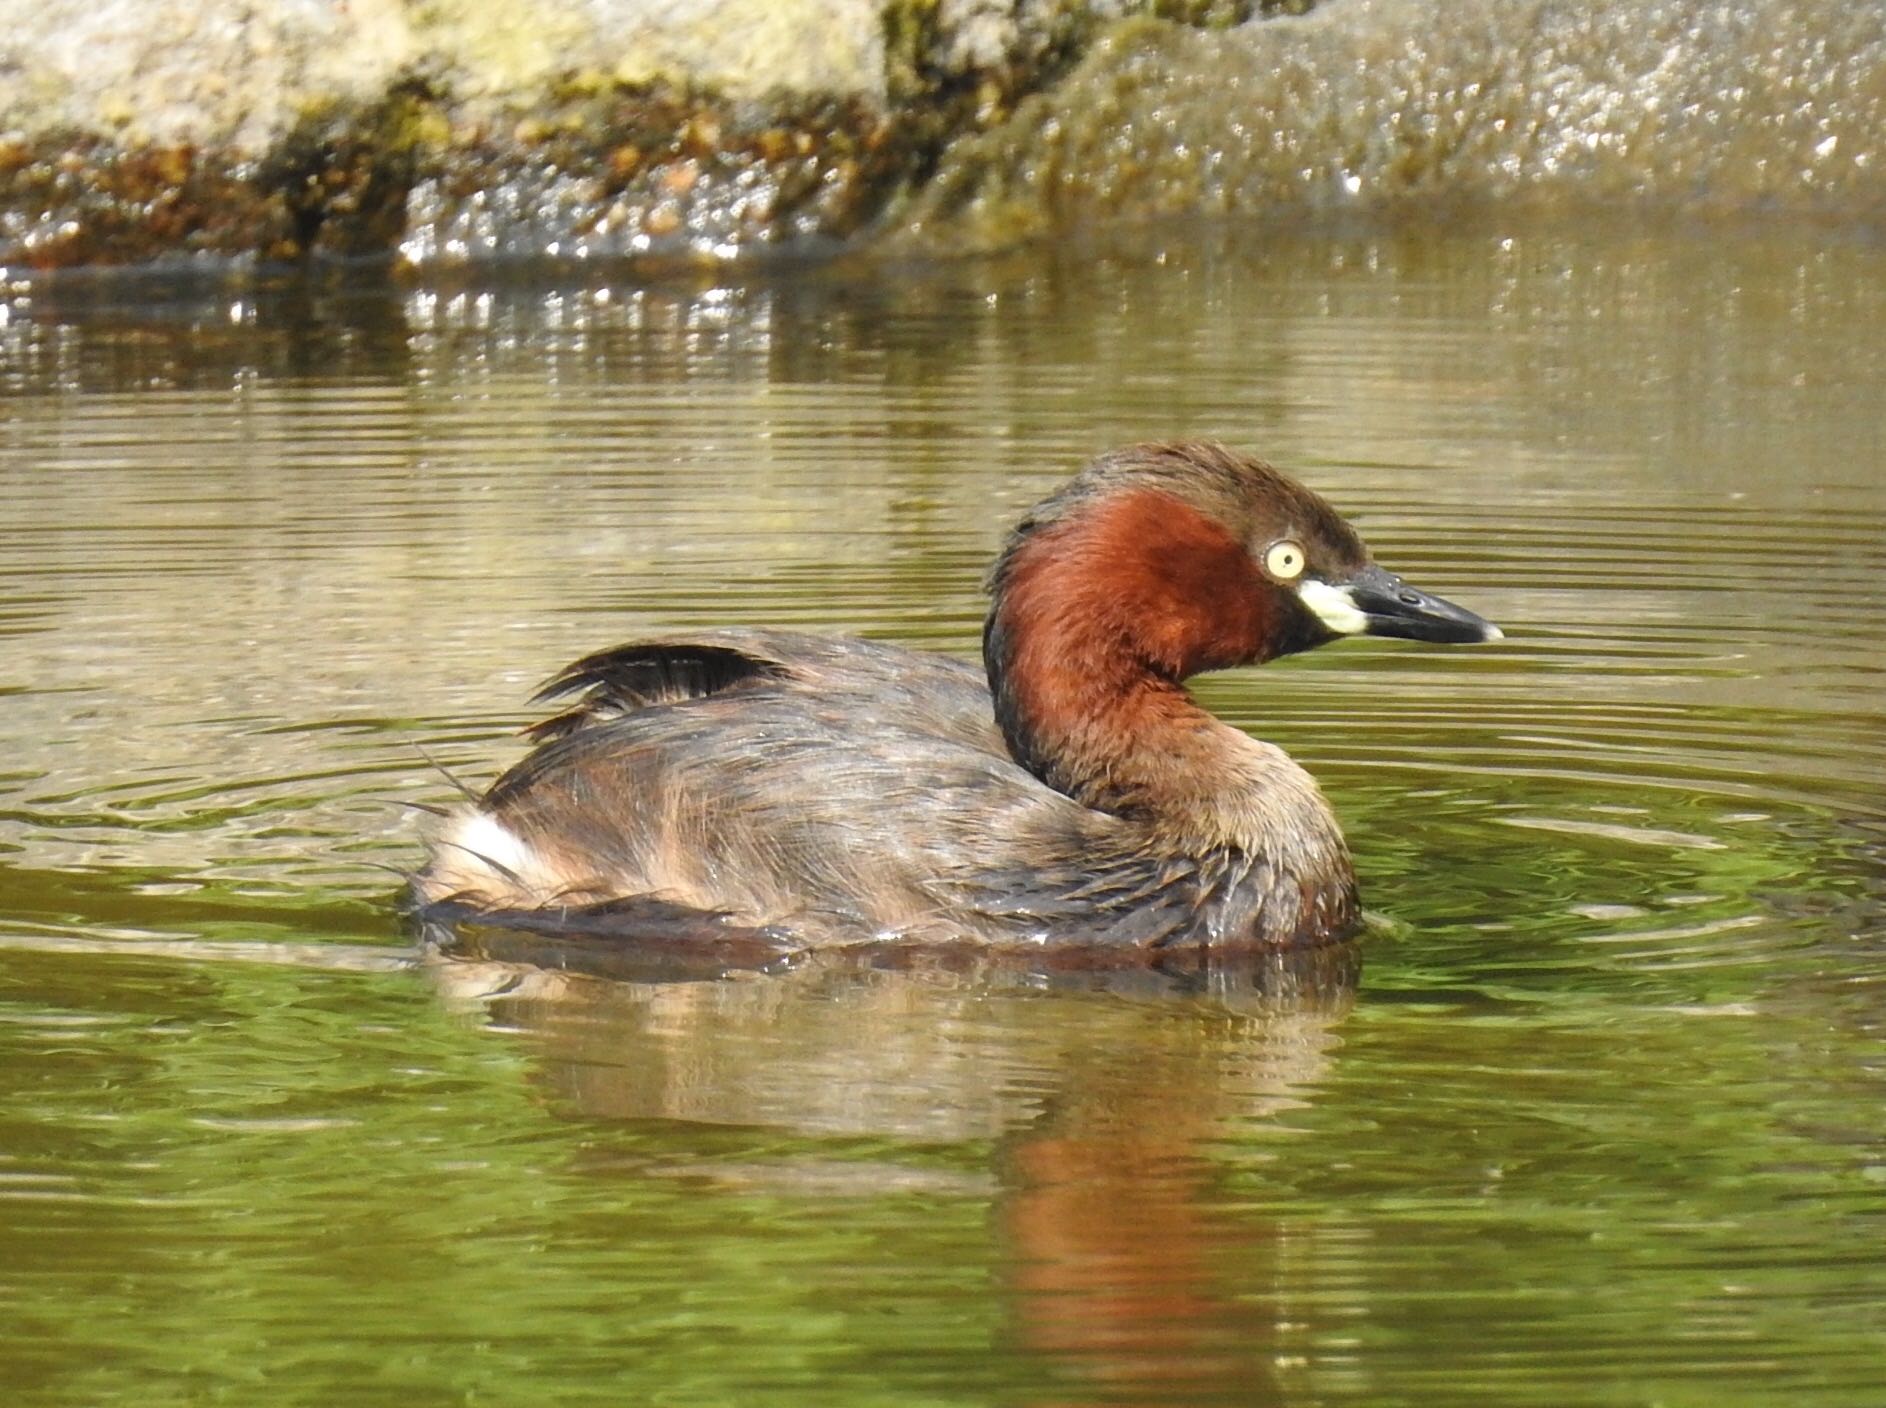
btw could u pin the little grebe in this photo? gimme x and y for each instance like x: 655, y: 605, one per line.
x: 833, y: 790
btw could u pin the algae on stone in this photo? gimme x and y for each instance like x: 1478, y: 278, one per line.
x: 458, y: 130
x: 1385, y: 104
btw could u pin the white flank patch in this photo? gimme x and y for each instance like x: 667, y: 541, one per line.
x: 1333, y: 606
x: 480, y: 836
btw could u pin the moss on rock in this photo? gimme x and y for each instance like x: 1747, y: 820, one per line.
x: 460, y: 130
x: 1397, y: 106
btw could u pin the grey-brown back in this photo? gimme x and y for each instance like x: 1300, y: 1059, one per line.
x: 847, y: 790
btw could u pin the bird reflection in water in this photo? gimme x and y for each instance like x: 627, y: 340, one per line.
x: 1108, y: 1100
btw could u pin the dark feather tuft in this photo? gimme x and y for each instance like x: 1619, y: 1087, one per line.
x: 630, y: 677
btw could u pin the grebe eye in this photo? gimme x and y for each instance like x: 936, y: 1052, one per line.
x: 1284, y: 561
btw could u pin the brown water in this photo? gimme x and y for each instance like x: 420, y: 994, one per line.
x: 1599, y: 1124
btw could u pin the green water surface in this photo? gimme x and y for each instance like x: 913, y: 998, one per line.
x: 1599, y: 1123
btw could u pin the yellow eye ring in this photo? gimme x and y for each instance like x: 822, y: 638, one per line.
x: 1284, y: 561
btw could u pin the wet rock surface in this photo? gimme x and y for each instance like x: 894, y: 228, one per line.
x: 1396, y: 104
x: 458, y: 131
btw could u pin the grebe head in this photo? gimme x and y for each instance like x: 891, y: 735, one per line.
x: 1157, y: 562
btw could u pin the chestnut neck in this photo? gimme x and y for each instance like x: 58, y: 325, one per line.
x: 1099, y: 616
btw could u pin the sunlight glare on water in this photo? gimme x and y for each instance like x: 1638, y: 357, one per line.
x: 1598, y: 1123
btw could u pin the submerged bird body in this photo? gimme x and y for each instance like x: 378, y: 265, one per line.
x: 839, y: 790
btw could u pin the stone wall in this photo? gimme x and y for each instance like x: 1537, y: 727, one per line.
x: 452, y: 131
